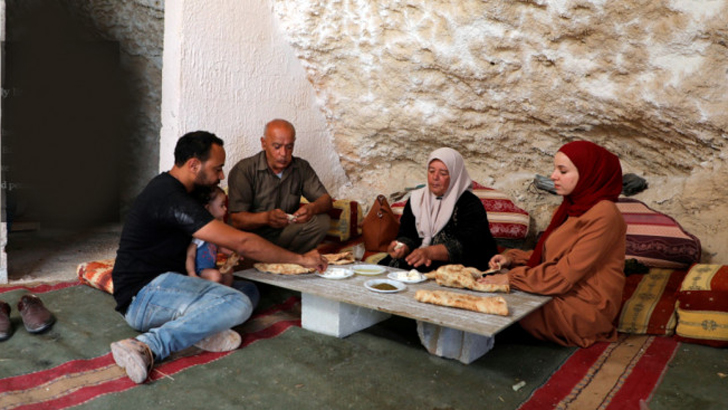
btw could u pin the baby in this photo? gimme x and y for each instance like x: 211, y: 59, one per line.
x: 201, y: 255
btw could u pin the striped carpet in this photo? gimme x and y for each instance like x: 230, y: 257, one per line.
x: 78, y: 381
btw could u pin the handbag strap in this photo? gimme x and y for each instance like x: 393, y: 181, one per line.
x: 382, y: 202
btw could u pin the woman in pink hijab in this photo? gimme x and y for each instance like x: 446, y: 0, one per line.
x: 443, y: 223
x: 579, y: 259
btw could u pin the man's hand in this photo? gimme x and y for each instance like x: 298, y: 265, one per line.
x: 277, y: 218
x: 419, y: 257
x: 312, y: 259
x: 303, y: 214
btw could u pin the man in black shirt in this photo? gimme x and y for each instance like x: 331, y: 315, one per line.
x: 151, y: 288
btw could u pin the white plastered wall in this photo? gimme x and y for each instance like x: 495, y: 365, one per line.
x: 227, y: 70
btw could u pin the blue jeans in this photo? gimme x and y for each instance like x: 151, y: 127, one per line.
x: 176, y: 311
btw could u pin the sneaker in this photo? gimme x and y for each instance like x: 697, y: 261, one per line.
x: 6, y: 327
x: 135, y: 357
x: 36, y: 317
x: 224, y: 341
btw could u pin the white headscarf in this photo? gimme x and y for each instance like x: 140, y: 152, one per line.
x: 432, y: 214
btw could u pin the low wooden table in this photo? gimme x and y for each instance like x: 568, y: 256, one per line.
x: 340, y: 307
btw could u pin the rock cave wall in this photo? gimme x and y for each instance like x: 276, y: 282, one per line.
x: 138, y: 27
x: 506, y: 83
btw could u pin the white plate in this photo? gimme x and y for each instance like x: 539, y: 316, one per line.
x: 393, y: 275
x: 398, y: 286
x: 369, y: 270
x: 336, y: 273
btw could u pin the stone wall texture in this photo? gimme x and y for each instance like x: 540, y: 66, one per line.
x: 508, y: 82
x: 138, y: 27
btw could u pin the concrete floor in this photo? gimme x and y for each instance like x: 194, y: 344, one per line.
x: 51, y: 255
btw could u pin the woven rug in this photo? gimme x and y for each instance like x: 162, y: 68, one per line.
x: 616, y: 375
x: 78, y: 381
x: 71, y: 365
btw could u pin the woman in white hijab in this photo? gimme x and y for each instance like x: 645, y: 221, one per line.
x: 445, y: 222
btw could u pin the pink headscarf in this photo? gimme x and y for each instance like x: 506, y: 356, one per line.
x: 432, y: 214
x: 600, y: 178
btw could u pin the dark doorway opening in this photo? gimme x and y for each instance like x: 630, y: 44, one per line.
x: 65, y: 113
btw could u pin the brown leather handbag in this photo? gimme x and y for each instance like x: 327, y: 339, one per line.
x: 380, y: 227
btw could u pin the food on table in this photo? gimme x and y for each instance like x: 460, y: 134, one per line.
x: 384, y: 286
x: 459, y: 276
x: 494, y: 305
x: 412, y: 275
x: 369, y: 269
x: 337, y: 273
x: 282, y: 268
x: 342, y: 258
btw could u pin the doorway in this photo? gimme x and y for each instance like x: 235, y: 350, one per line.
x: 65, y: 115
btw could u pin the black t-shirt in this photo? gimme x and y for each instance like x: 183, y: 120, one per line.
x: 156, y: 234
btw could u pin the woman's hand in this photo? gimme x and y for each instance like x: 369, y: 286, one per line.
x: 397, y: 250
x: 499, y: 261
x: 497, y: 279
x: 419, y: 257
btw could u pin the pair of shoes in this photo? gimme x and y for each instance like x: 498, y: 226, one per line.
x: 224, y: 341
x: 135, y: 357
x: 6, y: 328
x: 36, y: 317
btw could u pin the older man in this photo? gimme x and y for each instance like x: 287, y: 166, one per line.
x: 266, y: 189
x: 151, y: 287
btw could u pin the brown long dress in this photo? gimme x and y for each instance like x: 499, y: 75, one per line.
x: 583, y: 269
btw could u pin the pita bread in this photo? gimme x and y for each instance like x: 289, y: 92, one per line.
x: 459, y: 276
x: 282, y: 268
x: 494, y: 305
x: 342, y: 258
x: 230, y: 263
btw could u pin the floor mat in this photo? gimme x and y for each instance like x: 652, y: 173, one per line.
x: 607, y: 375
x: 384, y: 366
x: 78, y: 381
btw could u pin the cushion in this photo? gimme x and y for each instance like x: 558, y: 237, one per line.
x: 346, y: 220
x: 702, y: 310
x: 648, y: 302
x: 97, y: 274
x: 506, y: 220
x: 656, y: 239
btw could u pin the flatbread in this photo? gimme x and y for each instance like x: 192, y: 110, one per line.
x: 493, y: 305
x: 230, y: 263
x: 282, y: 268
x: 342, y: 258
x: 459, y: 276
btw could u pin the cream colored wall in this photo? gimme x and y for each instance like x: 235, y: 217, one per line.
x: 227, y: 69
x: 379, y: 85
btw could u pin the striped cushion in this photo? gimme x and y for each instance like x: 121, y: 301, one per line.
x: 702, y: 310
x: 346, y: 220
x: 506, y: 220
x: 97, y: 274
x: 648, y: 302
x: 656, y: 239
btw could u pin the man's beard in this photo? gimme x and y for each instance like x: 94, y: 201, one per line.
x: 201, y: 178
